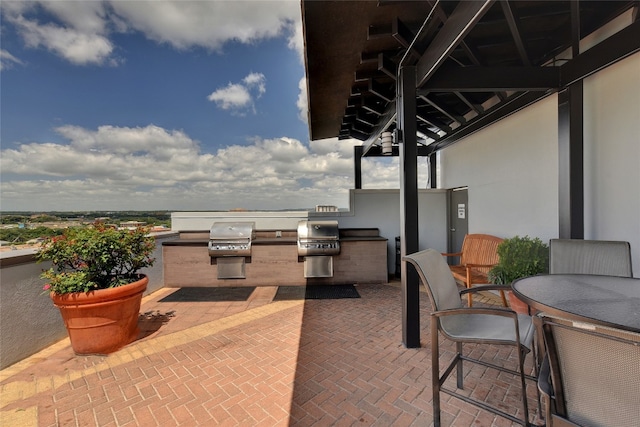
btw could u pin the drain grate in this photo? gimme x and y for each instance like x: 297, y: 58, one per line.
x: 286, y: 293
x: 210, y: 294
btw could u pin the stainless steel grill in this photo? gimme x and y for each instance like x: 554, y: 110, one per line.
x: 318, y: 238
x: 318, y: 241
x: 231, y: 239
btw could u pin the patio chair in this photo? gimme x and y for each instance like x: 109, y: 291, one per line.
x: 601, y: 257
x: 480, y: 325
x: 591, y: 374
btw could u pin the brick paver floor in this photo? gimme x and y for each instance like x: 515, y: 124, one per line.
x: 230, y: 361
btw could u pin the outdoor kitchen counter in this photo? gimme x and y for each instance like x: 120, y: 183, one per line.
x: 275, y: 241
x: 274, y: 260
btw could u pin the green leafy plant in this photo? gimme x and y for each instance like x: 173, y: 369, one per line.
x: 519, y: 257
x: 95, y: 257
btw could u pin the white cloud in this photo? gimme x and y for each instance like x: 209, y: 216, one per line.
x: 209, y: 24
x: 7, y: 60
x: 256, y: 81
x: 302, y: 103
x: 154, y: 168
x: 82, y: 31
x: 239, y: 97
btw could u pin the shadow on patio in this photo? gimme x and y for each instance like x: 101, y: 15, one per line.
x: 253, y: 361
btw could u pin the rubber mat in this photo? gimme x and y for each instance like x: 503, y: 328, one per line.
x: 285, y: 293
x: 210, y: 294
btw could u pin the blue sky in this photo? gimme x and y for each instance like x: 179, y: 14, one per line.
x: 176, y: 105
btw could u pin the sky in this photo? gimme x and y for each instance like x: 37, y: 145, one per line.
x: 163, y: 105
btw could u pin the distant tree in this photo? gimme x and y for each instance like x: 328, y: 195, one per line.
x: 13, y: 219
x: 23, y: 235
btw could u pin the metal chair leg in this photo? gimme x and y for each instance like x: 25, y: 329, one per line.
x: 459, y: 372
x: 435, y: 372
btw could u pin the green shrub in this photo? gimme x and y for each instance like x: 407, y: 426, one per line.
x: 97, y: 257
x: 520, y: 257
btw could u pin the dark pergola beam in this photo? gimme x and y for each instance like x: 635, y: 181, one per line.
x: 373, y: 107
x: 479, y: 109
x: 428, y: 118
x: 427, y: 132
x: 456, y: 27
x: 368, y: 119
x: 624, y: 43
x: 381, y: 90
x: 513, y: 104
x: 575, y: 28
x: 454, y: 117
x: 492, y: 79
x: 571, y: 162
x: 387, y: 66
x: 409, y: 220
x: 357, y: 166
x: 376, y: 151
x: 512, y: 21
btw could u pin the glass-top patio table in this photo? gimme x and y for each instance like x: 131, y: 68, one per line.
x: 602, y: 300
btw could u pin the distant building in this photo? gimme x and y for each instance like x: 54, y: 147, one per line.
x: 326, y: 208
x: 132, y: 224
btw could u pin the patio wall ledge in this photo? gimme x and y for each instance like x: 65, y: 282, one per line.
x: 29, y: 322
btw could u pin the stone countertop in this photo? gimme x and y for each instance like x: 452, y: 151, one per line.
x: 346, y: 235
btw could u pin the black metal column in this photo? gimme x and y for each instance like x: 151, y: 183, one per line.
x: 406, y: 135
x: 571, y: 163
x: 432, y: 171
x: 357, y: 162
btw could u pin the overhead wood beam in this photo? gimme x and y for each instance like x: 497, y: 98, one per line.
x: 368, y: 119
x: 512, y: 21
x: 428, y: 118
x: 479, y: 109
x: 456, y: 27
x: 379, y: 31
x: 492, y: 79
x: 362, y: 127
x: 427, y: 132
x: 387, y: 66
x: 381, y: 90
x: 387, y: 120
x: 454, y: 117
x: 354, y: 133
x: 374, y: 107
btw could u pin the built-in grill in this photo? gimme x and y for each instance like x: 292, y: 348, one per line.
x: 230, y: 246
x: 318, y: 241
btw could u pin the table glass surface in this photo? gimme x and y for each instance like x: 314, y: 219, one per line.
x: 605, y: 300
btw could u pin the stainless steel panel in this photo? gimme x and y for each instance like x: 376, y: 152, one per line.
x: 231, y: 238
x: 318, y: 266
x: 318, y: 238
x: 232, y: 231
x: 231, y: 268
x: 320, y: 230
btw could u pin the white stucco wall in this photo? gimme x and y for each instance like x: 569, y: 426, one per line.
x: 198, y: 221
x: 612, y: 155
x: 381, y: 209
x: 511, y: 168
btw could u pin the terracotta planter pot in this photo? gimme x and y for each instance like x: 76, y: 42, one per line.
x: 518, y: 305
x: 102, y: 321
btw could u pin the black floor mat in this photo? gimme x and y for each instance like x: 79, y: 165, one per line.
x: 210, y: 294
x: 286, y: 293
